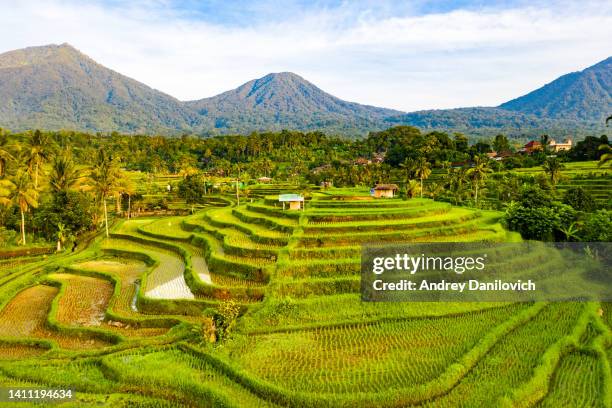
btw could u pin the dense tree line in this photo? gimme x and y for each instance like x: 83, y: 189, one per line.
x: 60, y: 183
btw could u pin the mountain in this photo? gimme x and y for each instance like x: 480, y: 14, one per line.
x: 487, y: 121
x: 287, y: 101
x: 56, y: 86
x: 582, y: 96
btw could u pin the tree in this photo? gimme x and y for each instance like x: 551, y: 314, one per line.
x: 478, y: 174
x: 552, y: 166
x: 5, y: 152
x: 64, y: 174
x: 461, y: 142
x: 126, y: 186
x: 422, y: 169
x: 38, y: 150
x: 238, y: 170
x: 412, y: 189
x: 532, y: 196
x: 501, y: 143
x: 267, y: 166
x: 544, y: 139
x: 606, y: 155
x: 192, y: 188
x: 104, y: 174
x: 408, y: 166
x: 23, y: 193
x: 456, y: 179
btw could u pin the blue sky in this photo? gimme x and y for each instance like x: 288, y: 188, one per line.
x: 406, y: 55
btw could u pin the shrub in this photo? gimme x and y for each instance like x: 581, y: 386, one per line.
x: 597, y: 227
x: 534, y: 197
x: 225, y: 318
x: 579, y: 199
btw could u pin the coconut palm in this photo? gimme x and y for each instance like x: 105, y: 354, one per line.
x: 267, y: 166
x: 64, y: 174
x: 104, y: 174
x: 456, y: 179
x: 38, y: 150
x: 21, y: 191
x: 5, y: 152
x: 126, y: 186
x: 544, y: 139
x: 412, y: 188
x: 606, y: 157
x: 408, y: 166
x: 478, y: 174
x: 6, y: 188
x: 552, y: 166
x: 237, y: 168
x: 435, y: 189
x: 422, y: 170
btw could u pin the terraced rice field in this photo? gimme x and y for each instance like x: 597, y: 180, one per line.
x: 166, y: 280
x: 132, y: 319
x: 25, y: 317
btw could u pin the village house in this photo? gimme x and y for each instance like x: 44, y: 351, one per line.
x: 295, y: 201
x: 385, y: 190
x: 558, y: 147
x: 532, y: 147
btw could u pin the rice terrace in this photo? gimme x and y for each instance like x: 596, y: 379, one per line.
x: 251, y: 304
x: 249, y: 239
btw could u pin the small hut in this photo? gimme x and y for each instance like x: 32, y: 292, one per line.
x: 385, y: 190
x: 264, y: 180
x: 295, y: 201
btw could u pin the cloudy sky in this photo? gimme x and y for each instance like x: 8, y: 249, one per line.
x: 407, y: 55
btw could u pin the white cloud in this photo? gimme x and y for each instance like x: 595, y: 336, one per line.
x: 457, y: 58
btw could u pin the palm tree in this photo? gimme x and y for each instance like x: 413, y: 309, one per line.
x: 38, y: 148
x: 544, y: 139
x: 126, y: 186
x: 455, y: 180
x: 435, y: 189
x: 64, y: 174
x: 412, y: 188
x: 552, y: 166
x: 408, y: 166
x: 607, y: 154
x: 478, y: 174
x: 104, y: 174
x: 422, y: 169
x: 5, y: 152
x: 266, y: 166
x: 238, y: 169
x: 22, y: 192
x: 6, y: 188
